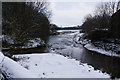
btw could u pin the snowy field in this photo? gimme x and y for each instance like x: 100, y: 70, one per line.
x: 50, y: 65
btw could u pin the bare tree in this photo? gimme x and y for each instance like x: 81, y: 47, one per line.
x: 104, y: 11
x: 41, y: 6
x: 118, y: 6
x: 24, y: 21
x: 108, y: 8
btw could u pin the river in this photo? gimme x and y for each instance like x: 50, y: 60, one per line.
x: 64, y: 44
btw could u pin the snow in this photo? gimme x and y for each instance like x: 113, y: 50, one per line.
x: 1, y: 36
x: 34, y: 43
x: 1, y: 77
x: 80, y: 39
x: 29, y: 44
x: 50, y: 65
x: 8, y: 39
x: 1, y: 57
x: 111, y: 47
x: 13, y: 70
x: 70, y: 31
x: 102, y: 51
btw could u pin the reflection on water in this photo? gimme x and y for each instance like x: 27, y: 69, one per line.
x: 105, y: 63
x: 63, y: 44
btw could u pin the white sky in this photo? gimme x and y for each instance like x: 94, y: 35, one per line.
x: 72, y: 12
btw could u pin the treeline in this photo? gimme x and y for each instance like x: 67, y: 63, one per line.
x: 54, y: 28
x: 23, y: 21
x: 68, y: 28
x: 99, y: 25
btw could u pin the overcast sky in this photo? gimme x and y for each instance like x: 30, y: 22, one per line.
x: 72, y: 12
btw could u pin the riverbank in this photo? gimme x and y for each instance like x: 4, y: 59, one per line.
x: 91, y: 47
x: 32, y: 46
x: 109, y: 47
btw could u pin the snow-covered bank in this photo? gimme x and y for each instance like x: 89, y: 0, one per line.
x: 1, y: 59
x: 50, y: 65
x: 32, y: 43
x: 109, y: 48
x: 80, y: 38
x: 102, y: 51
x: 12, y: 69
